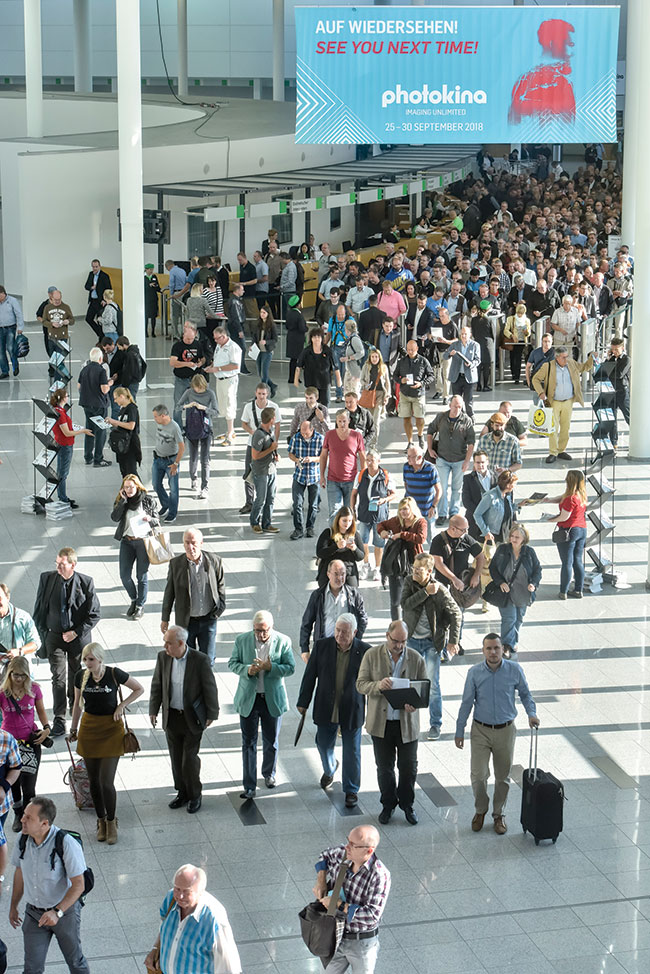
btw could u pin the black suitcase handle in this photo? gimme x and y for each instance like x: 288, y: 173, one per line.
x: 533, y: 737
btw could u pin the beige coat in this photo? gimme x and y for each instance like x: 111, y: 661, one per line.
x: 374, y: 667
x: 544, y: 379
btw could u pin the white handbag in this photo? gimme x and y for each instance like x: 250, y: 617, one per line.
x: 540, y: 420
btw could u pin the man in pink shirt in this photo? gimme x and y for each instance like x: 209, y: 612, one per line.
x: 342, y: 455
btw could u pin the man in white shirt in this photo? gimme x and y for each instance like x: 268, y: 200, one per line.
x: 358, y: 297
x: 226, y: 366
x: 251, y: 419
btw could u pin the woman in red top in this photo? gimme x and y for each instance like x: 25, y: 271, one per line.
x: 573, y: 504
x: 409, y: 527
x: 64, y: 435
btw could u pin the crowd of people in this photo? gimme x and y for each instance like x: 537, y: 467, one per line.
x: 446, y: 531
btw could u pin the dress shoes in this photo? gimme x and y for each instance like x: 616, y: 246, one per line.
x: 193, y: 805
x: 248, y: 794
x: 178, y: 802
x: 411, y: 816
x: 58, y: 727
x: 327, y: 779
x: 565, y: 456
x: 477, y: 821
x: 551, y: 458
x: 270, y: 781
x: 351, y: 799
x: 500, y: 826
x: 385, y: 815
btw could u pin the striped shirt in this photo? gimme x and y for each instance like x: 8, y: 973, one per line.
x: 202, y: 943
x: 307, y: 473
x: 421, y: 485
x: 365, y: 891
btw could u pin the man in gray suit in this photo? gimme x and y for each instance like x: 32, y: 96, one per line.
x: 184, y: 686
x: 196, y: 588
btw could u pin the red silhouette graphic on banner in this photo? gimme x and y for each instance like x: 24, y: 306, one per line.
x: 545, y: 90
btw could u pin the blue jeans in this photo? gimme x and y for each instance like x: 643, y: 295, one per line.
x: 94, y: 445
x: 355, y: 956
x: 512, y: 617
x: 571, y: 555
x: 431, y: 659
x: 160, y: 468
x: 313, y: 499
x: 63, y: 461
x: 445, y: 471
x: 270, y: 737
x: 202, y: 635
x: 326, y: 742
x: 263, y: 365
x: 368, y: 530
x: 133, y: 551
x: 180, y: 386
x: 7, y: 343
x: 133, y: 389
x: 262, y: 509
x: 337, y: 351
x: 338, y: 495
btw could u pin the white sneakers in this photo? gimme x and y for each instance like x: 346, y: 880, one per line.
x: 363, y: 570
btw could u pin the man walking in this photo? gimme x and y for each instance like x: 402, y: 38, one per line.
x: 251, y: 419
x: 97, y: 282
x: 184, y: 686
x: 332, y: 671
x: 490, y: 689
x: 264, y: 455
x: 414, y: 373
x: 65, y: 612
x: 450, y: 439
x: 226, y: 366
x: 325, y: 606
x: 196, y: 588
x: 261, y: 659
x: 304, y: 451
x: 177, y: 282
x: 394, y: 731
x: 49, y: 873
x: 167, y: 455
x: 558, y: 384
x: 11, y: 322
x: 422, y: 483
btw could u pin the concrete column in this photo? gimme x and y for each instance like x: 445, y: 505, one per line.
x: 83, y: 76
x: 632, y: 122
x: 257, y: 89
x: 278, y: 50
x: 129, y: 119
x: 181, y: 21
x: 33, y: 69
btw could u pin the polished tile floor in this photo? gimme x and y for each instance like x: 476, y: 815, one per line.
x: 461, y: 903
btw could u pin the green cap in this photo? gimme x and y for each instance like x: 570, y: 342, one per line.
x: 293, y: 301
x: 148, y: 267
x: 485, y: 305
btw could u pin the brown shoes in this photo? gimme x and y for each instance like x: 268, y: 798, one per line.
x: 500, y: 826
x: 477, y: 822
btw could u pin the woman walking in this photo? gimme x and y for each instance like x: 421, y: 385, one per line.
x: 495, y: 511
x: 296, y: 328
x: 375, y: 385
x: 199, y: 409
x: 317, y: 362
x: 570, y: 533
x: 411, y: 529
x: 20, y: 701
x: 108, y: 318
x: 516, y: 570
x: 373, y: 492
x: 100, y: 737
x: 265, y: 336
x: 199, y: 311
x: 64, y: 434
x: 124, y: 438
x: 343, y: 543
x: 134, y: 510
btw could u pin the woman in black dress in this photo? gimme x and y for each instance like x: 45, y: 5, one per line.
x: 318, y: 364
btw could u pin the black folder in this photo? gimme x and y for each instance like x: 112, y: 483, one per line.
x: 417, y: 695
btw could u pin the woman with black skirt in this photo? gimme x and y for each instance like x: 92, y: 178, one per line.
x: 100, y: 737
x: 124, y: 438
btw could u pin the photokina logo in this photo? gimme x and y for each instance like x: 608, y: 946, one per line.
x: 433, y: 96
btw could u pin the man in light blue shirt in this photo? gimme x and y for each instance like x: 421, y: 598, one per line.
x: 177, y: 282
x: 490, y: 689
x: 11, y: 320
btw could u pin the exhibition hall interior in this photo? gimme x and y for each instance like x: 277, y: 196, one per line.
x: 466, y: 185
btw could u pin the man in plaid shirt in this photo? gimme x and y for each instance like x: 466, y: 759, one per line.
x: 363, y: 898
x: 502, y: 449
x: 304, y: 449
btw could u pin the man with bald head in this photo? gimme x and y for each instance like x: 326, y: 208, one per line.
x: 207, y: 944
x: 452, y: 550
x: 196, y: 588
x: 363, y: 898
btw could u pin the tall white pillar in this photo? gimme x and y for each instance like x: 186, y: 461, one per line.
x: 181, y: 22
x: 33, y: 69
x: 83, y: 78
x: 632, y: 122
x: 129, y: 120
x: 278, y: 50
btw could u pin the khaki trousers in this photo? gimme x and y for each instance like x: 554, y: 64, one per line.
x: 443, y: 378
x: 557, y: 441
x: 501, y: 745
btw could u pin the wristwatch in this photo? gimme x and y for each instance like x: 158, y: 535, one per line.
x: 59, y: 913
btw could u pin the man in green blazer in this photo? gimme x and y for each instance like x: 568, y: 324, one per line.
x: 261, y: 659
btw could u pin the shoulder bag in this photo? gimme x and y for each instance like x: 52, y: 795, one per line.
x: 155, y: 958
x: 321, y: 929
x: 158, y: 548
x: 131, y: 742
x: 561, y: 535
x: 368, y: 398
x: 470, y: 594
x: 494, y: 594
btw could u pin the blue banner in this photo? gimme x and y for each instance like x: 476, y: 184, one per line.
x: 419, y: 75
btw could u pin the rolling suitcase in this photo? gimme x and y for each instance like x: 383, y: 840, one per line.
x: 76, y: 778
x: 542, y: 799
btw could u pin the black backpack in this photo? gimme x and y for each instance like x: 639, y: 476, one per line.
x: 89, y: 876
x: 197, y: 424
x: 120, y: 320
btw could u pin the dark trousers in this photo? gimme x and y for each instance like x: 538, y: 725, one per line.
x: 25, y: 788
x: 621, y: 402
x: 67, y: 934
x: 65, y: 658
x: 387, y: 748
x: 202, y: 635
x: 93, y: 445
x: 128, y: 462
x: 184, y: 747
x: 323, y: 394
x: 95, y: 309
x: 249, y: 490
x: 133, y: 551
x: 395, y: 586
x: 270, y: 735
x: 293, y: 363
x: 485, y: 368
x: 461, y: 387
x: 516, y: 354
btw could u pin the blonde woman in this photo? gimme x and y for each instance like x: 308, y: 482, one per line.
x: 100, y: 737
x: 199, y: 409
x: 409, y: 527
x: 108, y: 318
x: 374, y: 377
x: 572, y: 521
x: 132, y: 507
x: 124, y: 438
x: 516, y: 334
x: 21, y: 701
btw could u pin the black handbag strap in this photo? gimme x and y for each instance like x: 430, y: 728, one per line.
x: 515, y: 571
x: 334, y: 899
